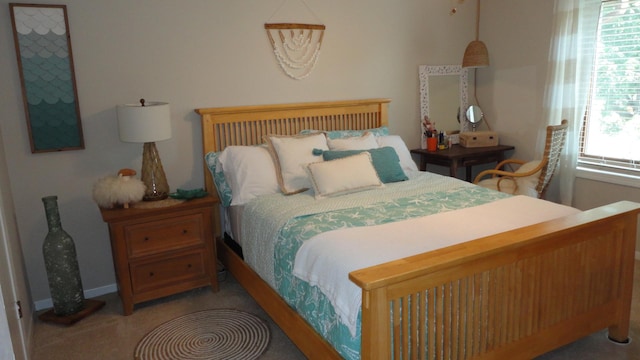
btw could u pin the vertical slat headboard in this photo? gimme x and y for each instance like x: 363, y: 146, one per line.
x: 246, y: 125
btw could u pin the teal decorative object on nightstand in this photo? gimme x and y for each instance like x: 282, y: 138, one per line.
x: 188, y: 194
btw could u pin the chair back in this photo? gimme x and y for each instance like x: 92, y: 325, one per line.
x: 556, y: 137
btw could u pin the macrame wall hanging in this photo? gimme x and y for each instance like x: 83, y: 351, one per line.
x: 296, y: 46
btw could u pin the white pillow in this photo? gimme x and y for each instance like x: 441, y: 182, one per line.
x: 526, y: 167
x: 365, y: 142
x: 291, y: 155
x: 395, y: 141
x: 344, y: 175
x: 250, y: 172
x: 527, y: 185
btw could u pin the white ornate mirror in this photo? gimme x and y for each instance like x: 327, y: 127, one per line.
x: 443, y: 96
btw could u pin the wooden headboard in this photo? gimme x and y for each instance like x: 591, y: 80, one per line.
x: 246, y: 125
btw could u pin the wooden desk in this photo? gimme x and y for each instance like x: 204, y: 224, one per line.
x: 457, y: 156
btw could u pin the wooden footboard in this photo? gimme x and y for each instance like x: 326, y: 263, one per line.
x: 514, y: 295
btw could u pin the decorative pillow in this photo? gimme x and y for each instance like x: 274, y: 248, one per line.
x: 249, y: 171
x: 346, y: 175
x: 364, y: 142
x: 516, y: 186
x: 398, y: 144
x: 385, y: 161
x: 291, y: 155
x: 336, y: 134
x: 222, y: 186
x: 527, y: 185
x: 526, y: 167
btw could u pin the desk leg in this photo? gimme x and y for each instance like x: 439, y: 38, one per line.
x: 453, y: 168
x: 468, y: 174
x: 423, y: 163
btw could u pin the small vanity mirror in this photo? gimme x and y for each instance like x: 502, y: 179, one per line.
x: 474, y: 116
x: 443, y: 96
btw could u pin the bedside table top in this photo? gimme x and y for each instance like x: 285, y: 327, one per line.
x: 116, y: 214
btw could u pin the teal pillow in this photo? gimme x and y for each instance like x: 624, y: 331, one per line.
x: 337, y: 134
x: 222, y: 186
x: 385, y: 161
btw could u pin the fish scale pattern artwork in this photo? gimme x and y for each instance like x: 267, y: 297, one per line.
x: 44, y: 52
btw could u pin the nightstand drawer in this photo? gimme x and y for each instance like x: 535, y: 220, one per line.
x: 157, y: 236
x: 162, y: 272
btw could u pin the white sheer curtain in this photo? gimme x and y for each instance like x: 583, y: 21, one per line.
x: 570, y: 62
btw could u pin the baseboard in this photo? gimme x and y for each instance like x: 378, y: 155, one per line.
x: 47, y: 303
x: 88, y: 294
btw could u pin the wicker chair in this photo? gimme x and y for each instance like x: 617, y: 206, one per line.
x: 530, y: 178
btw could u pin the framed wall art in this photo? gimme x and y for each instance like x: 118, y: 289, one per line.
x: 45, y: 62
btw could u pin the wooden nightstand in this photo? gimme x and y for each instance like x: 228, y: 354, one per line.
x: 162, y: 251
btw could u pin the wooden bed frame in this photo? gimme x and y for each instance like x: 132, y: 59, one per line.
x: 513, y: 295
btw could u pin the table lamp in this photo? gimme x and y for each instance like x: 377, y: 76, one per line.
x: 147, y: 122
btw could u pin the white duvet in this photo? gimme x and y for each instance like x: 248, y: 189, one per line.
x: 326, y: 259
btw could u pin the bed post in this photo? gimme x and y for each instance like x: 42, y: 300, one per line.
x: 384, y: 113
x: 375, y: 325
x: 619, y: 332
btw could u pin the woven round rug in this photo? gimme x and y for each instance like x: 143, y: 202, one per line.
x: 209, y: 334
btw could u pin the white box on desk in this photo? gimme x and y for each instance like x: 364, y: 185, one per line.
x: 478, y: 139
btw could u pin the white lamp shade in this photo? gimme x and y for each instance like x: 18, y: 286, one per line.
x: 142, y: 124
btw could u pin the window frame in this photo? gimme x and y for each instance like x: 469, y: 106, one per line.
x: 603, y: 168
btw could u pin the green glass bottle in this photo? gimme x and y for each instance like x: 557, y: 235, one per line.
x: 61, y: 263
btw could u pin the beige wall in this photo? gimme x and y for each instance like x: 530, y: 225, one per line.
x: 202, y: 53
x: 592, y: 193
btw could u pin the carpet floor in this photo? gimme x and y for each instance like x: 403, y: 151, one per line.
x: 109, y: 335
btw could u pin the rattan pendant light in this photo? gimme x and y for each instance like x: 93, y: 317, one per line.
x: 476, y: 54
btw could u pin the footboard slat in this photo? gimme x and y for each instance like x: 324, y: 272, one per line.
x: 455, y: 322
x: 405, y: 326
x: 431, y: 343
x: 476, y: 315
x: 517, y: 298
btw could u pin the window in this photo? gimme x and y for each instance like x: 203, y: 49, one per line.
x: 610, y: 136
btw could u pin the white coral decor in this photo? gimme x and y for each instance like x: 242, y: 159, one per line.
x: 122, y: 189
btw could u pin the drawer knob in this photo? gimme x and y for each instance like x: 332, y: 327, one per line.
x: 189, y: 266
x: 146, y: 238
x: 151, y: 274
x: 184, y: 231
